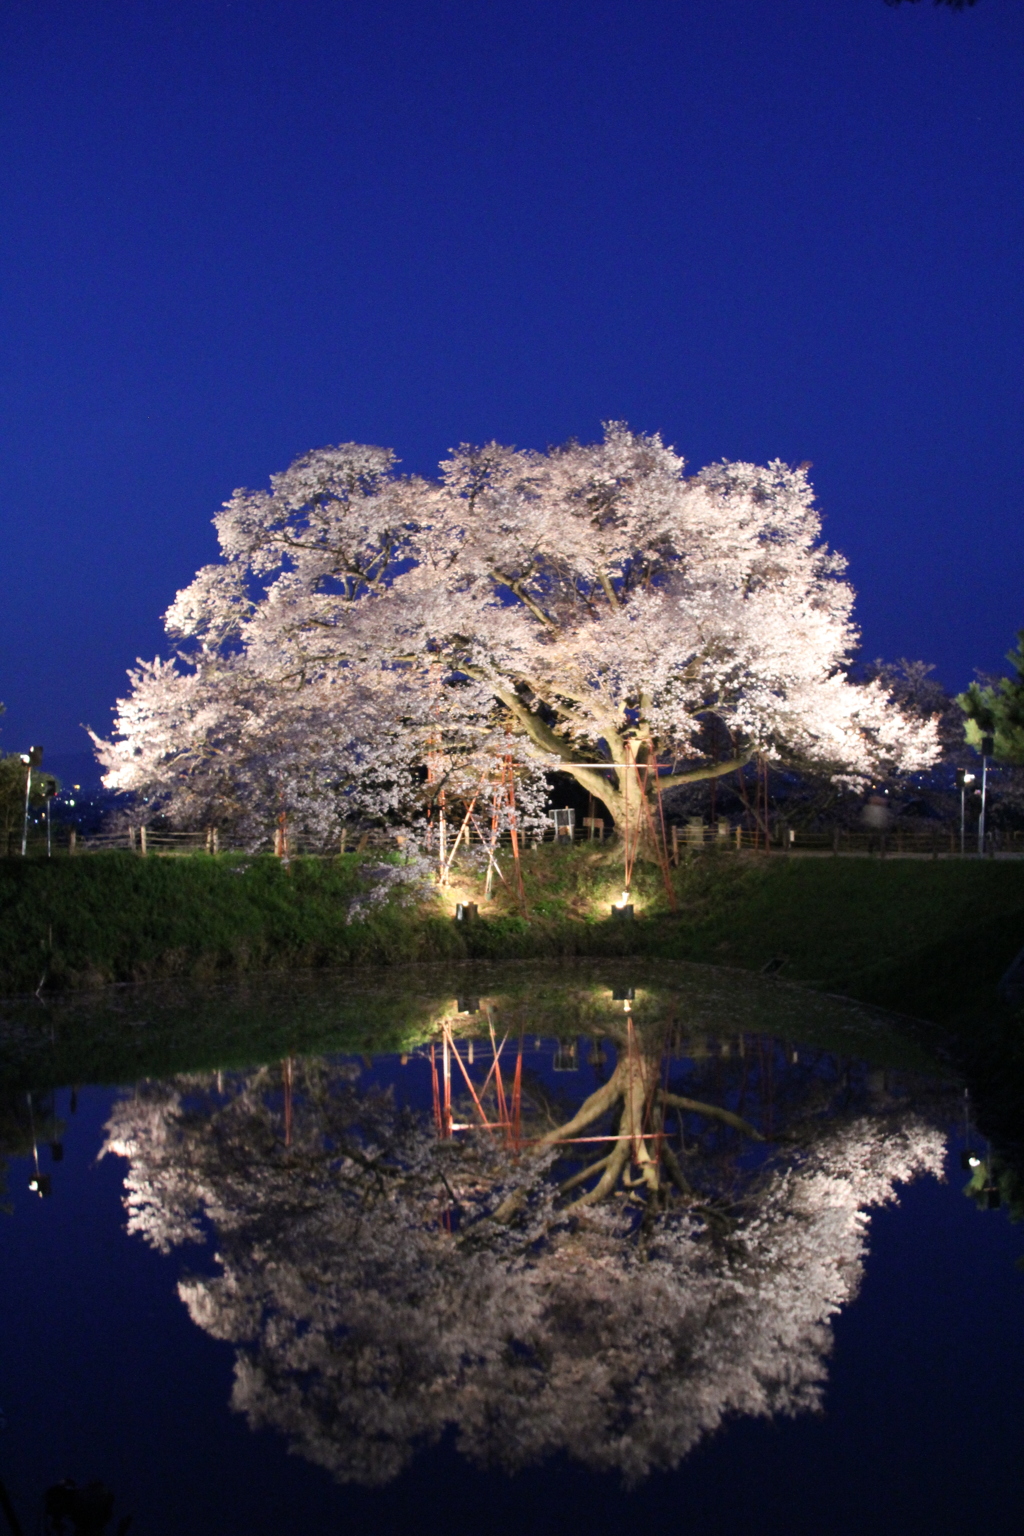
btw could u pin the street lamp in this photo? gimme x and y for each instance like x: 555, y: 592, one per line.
x: 962, y: 780
x: 32, y: 758
x: 49, y: 794
x: 40, y: 1183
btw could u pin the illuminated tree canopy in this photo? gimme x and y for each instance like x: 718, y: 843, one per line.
x: 593, y: 608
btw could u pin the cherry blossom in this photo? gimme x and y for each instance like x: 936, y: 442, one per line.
x: 594, y: 607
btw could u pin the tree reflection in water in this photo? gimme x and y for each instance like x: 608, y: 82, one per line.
x: 382, y: 1284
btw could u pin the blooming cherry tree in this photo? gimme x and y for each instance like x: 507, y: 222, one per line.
x: 628, y: 624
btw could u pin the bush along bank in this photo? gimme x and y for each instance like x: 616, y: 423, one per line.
x: 927, y: 938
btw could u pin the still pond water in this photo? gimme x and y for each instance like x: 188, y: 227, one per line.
x: 526, y: 1250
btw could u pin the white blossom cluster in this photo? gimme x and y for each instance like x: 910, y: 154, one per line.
x: 377, y: 1294
x: 408, y: 881
x: 368, y: 640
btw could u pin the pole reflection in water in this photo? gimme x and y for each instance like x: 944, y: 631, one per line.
x: 611, y: 1277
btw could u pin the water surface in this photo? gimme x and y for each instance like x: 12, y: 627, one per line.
x: 283, y: 1279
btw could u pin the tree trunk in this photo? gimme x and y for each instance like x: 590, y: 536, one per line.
x: 639, y: 1158
x: 632, y: 798
x: 635, y: 817
x: 633, y: 1088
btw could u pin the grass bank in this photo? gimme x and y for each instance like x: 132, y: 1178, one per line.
x: 927, y: 938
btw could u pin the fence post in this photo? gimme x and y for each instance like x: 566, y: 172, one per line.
x: 142, y: 839
x: 72, y: 839
x: 739, y: 837
x: 675, y: 842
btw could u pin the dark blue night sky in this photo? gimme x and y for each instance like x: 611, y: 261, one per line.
x: 233, y: 232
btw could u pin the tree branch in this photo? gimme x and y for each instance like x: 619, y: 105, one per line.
x: 515, y: 586
x: 675, y: 1172
x: 713, y: 1111
x: 609, y: 591
x: 608, y: 1180
x: 707, y: 771
x: 591, y: 1110
x: 544, y: 737
x: 581, y: 1178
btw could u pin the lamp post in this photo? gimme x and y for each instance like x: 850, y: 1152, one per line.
x: 987, y: 746
x: 962, y: 780
x: 32, y: 758
x: 39, y: 1183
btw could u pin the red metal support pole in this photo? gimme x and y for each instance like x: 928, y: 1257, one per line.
x: 504, y: 1119
x: 517, y: 1099
x: 436, y: 1090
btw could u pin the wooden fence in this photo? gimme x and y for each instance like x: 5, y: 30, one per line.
x: 932, y: 842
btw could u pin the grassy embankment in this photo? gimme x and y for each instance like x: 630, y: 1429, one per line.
x: 928, y: 938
